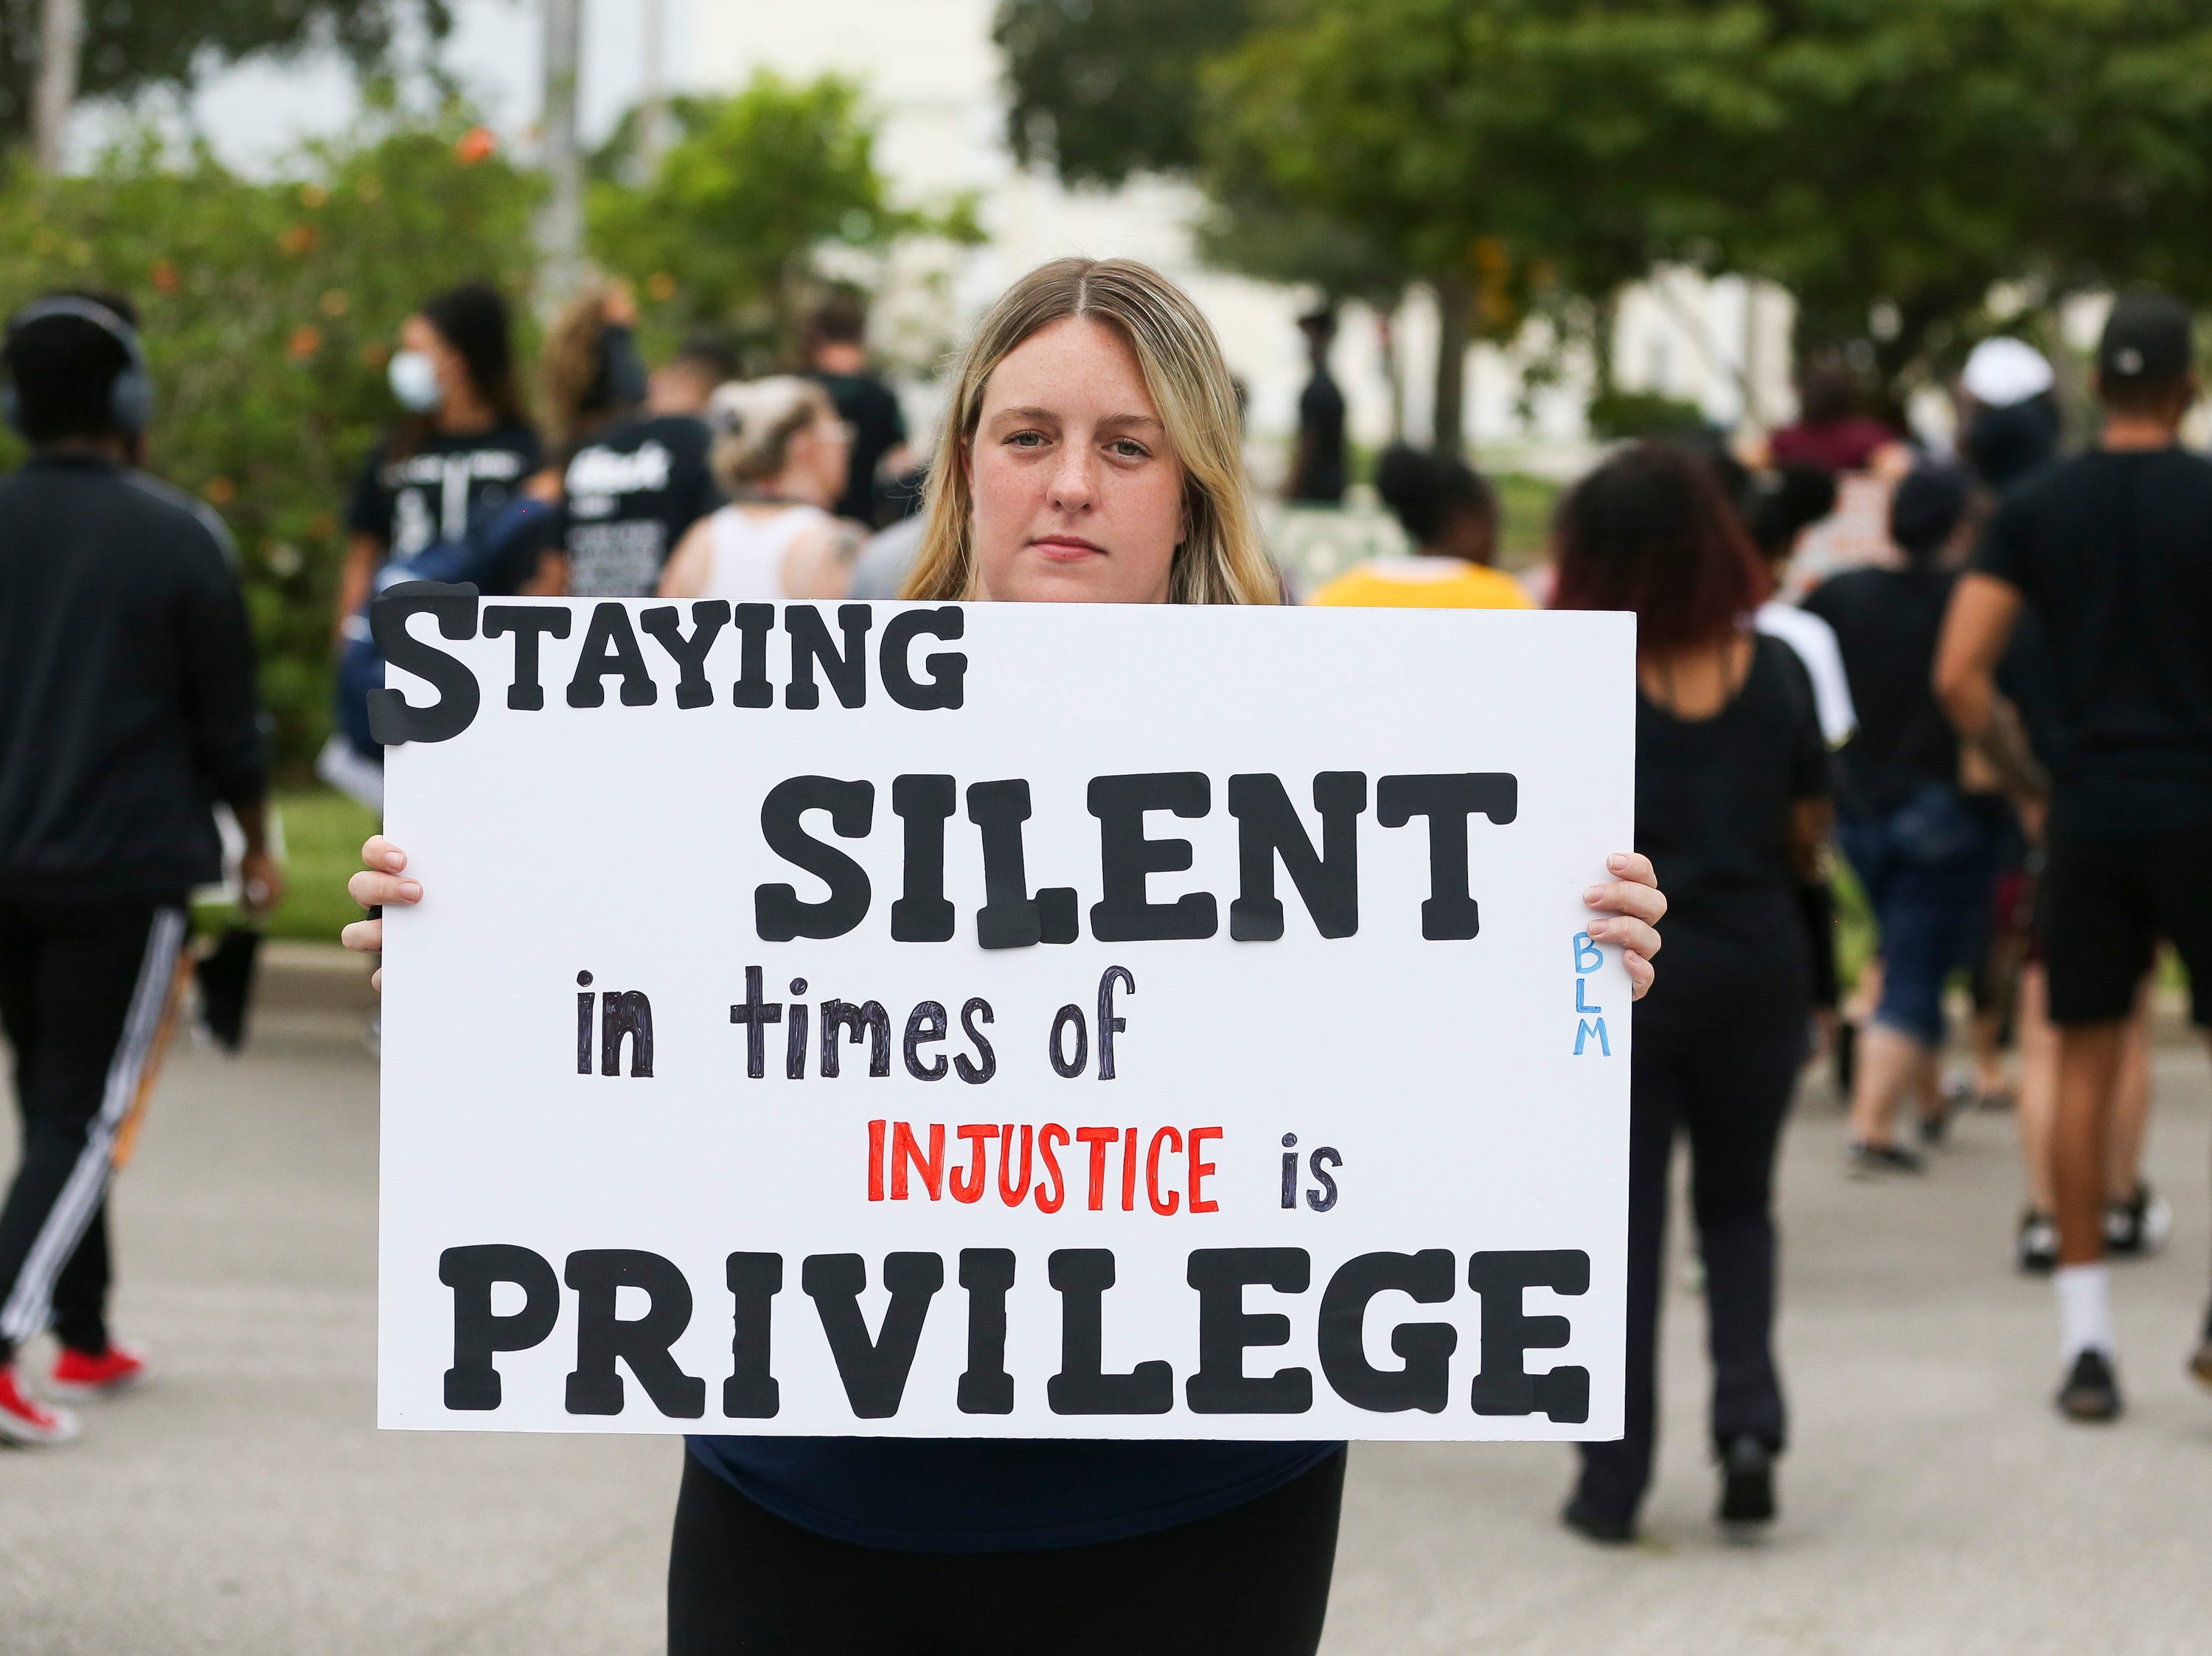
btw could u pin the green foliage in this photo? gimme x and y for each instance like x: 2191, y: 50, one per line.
x: 139, y: 44
x: 1617, y: 414
x: 731, y: 228
x: 1100, y: 89
x: 268, y: 309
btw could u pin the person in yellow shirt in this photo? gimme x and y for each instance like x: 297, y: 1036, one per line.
x: 1451, y: 514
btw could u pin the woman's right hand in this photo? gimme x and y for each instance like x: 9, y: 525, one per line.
x: 381, y: 882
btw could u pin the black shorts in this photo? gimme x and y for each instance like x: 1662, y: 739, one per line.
x: 2106, y: 900
x: 1251, y: 1582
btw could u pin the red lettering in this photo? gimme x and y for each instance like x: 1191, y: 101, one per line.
x: 905, y: 1151
x: 875, y: 1160
x: 1098, y: 1138
x: 1199, y: 1169
x: 1050, y: 1131
x: 971, y: 1188
x: 1130, y: 1170
x: 1153, y: 1172
x: 1011, y: 1194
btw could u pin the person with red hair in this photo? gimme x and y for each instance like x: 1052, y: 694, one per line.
x: 1732, y: 808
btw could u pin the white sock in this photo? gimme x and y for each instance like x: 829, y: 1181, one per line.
x: 2085, y: 1311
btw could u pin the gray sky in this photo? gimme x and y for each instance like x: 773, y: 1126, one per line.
x: 255, y: 113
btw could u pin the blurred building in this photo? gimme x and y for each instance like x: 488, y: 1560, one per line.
x: 934, y: 76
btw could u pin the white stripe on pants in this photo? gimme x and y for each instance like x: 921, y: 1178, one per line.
x: 30, y: 1303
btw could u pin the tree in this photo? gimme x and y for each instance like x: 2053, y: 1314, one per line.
x: 142, y: 44
x: 269, y: 308
x: 1509, y: 152
x: 730, y: 229
x: 1101, y: 89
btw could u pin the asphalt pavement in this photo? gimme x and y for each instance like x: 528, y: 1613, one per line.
x: 243, y: 1502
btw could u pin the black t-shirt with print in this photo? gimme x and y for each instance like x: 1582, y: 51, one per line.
x: 629, y: 494
x: 2113, y: 553
x: 434, y: 493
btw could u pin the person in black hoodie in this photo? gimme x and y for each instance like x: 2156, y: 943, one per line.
x: 127, y: 707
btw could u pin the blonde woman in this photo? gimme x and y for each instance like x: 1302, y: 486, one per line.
x: 781, y: 453
x: 1091, y: 456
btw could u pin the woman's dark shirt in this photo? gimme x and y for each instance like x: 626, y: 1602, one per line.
x: 1715, y: 799
x: 1887, y: 622
x: 435, y: 493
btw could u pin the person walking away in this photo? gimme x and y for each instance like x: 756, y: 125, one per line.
x: 780, y: 454
x: 1782, y: 507
x: 1923, y: 851
x: 2112, y: 552
x: 1732, y: 801
x: 2008, y: 421
x: 837, y: 358
x: 1449, y: 512
x: 1829, y: 432
x: 127, y: 705
x: 1092, y: 458
x: 1317, y: 475
x: 626, y: 485
x: 683, y: 384
x: 461, y: 443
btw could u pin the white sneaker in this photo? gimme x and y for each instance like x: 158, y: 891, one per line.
x: 26, y: 1422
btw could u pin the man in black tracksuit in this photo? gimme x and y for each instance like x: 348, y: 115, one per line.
x: 127, y: 709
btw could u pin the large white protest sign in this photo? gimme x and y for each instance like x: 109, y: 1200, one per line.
x: 1004, y: 1020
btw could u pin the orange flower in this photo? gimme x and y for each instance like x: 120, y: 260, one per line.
x: 221, y: 491
x: 306, y: 339
x: 660, y: 285
x: 312, y: 196
x: 163, y: 275
x: 477, y: 145
x: 333, y: 303
x: 297, y: 239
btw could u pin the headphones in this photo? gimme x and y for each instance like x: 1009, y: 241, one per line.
x: 130, y: 394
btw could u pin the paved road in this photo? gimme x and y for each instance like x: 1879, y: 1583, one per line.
x: 244, y: 1504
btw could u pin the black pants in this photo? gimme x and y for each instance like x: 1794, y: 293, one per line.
x: 1728, y: 1083
x: 1251, y: 1582
x: 82, y: 988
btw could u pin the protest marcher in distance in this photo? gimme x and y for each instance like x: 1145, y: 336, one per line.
x: 1450, y: 512
x: 1093, y: 456
x: 1732, y: 799
x: 127, y: 703
x: 2112, y: 552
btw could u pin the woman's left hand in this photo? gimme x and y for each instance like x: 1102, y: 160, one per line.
x: 1635, y: 904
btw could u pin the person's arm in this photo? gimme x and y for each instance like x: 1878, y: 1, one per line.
x: 818, y: 568
x: 685, y: 574
x: 1976, y: 628
x: 1633, y: 905
x: 215, y: 647
x: 362, y: 553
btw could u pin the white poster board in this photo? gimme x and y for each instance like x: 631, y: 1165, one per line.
x: 1316, y: 1096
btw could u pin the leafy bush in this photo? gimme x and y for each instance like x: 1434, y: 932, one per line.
x: 1643, y: 413
x: 269, y: 307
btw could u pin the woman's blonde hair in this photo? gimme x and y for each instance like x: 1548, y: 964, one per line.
x: 754, y: 422
x: 573, y: 367
x: 1220, y: 560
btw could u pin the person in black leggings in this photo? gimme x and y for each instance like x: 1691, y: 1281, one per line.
x: 1732, y: 804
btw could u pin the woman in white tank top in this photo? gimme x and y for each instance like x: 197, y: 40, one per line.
x: 781, y: 452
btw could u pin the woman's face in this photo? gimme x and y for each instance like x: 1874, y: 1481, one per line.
x: 1078, y: 496
x: 418, y: 334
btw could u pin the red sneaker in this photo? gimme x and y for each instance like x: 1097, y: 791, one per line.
x: 80, y: 1374
x: 26, y: 1421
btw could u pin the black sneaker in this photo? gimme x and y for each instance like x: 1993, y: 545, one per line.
x: 2092, y: 1393
x: 1606, y: 1529
x: 2036, y: 1250
x: 1747, y: 1483
x: 1871, y: 1161
x: 2137, y: 1226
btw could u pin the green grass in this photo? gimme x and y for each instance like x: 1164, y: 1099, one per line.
x: 323, y: 832
x: 1525, y: 506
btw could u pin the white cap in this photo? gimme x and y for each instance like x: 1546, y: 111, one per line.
x: 2003, y: 371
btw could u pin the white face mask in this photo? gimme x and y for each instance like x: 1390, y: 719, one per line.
x: 414, y: 378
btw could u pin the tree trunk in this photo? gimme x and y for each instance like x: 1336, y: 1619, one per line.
x: 1386, y: 345
x: 560, y: 232
x: 61, y: 37
x: 1455, y: 314
x: 652, y: 102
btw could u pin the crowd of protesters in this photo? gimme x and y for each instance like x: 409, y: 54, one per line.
x: 2002, y: 720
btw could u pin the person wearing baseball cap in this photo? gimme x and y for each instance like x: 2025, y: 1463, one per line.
x: 2111, y: 552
